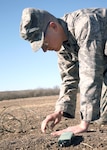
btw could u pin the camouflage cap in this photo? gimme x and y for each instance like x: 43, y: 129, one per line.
x: 33, y: 25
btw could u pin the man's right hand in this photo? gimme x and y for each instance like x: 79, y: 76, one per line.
x: 54, y: 118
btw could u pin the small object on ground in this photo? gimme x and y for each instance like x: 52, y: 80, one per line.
x: 65, y: 139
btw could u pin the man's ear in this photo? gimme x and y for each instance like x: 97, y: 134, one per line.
x: 53, y: 25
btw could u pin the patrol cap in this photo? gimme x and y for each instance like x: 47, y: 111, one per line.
x: 33, y: 26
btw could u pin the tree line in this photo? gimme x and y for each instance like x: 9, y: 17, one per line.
x: 6, y: 95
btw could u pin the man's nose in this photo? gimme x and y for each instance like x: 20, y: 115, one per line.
x: 45, y: 46
x: 44, y: 49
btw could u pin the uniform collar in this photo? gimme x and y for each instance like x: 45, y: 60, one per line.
x: 71, y: 44
x: 64, y: 25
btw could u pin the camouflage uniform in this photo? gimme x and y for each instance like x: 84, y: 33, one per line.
x: 83, y: 63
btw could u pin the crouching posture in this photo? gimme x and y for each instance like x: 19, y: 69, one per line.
x: 80, y: 40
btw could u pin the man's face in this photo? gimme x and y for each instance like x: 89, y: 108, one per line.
x: 52, y: 40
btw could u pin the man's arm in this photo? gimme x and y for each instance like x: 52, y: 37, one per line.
x: 69, y: 74
x: 89, y: 37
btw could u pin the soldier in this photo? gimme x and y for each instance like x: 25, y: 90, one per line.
x: 80, y: 40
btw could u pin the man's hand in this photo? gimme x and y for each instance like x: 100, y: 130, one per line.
x: 54, y: 117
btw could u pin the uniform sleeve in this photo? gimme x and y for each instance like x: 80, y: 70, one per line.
x: 88, y: 35
x: 69, y: 75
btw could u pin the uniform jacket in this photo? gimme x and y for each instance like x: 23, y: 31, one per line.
x: 82, y: 62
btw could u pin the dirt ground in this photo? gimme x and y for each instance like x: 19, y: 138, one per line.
x: 20, y: 121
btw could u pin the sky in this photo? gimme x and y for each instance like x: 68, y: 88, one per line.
x: 20, y: 67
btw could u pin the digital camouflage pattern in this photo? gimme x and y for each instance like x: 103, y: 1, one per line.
x: 103, y: 106
x: 83, y: 63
